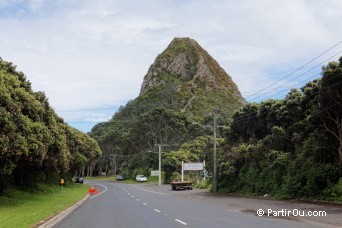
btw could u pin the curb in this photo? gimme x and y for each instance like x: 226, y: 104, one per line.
x: 53, y: 221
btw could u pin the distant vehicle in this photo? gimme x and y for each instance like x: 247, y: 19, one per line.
x: 79, y: 180
x: 140, y: 178
x: 120, y: 178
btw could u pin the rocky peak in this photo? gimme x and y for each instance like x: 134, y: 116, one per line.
x: 187, y: 66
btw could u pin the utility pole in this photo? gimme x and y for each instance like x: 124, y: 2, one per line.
x: 159, y: 147
x: 115, y: 165
x: 214, y: 159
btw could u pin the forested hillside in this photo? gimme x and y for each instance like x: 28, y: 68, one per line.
x: 179, y: 93
x: 286, y: 148
x: 290, y: 148
x: 35, y: 143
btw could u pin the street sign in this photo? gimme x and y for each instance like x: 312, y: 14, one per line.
x: 193, y: 166
x: 154, y: 173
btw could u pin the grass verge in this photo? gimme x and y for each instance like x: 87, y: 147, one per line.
x: 27, y: 208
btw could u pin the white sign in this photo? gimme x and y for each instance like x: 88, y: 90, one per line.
x: 154, y: 173
x: 193, y: 166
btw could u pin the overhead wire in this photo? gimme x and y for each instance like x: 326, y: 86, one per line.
x: 250, y: 115
x: 296, y: 70
x: 318, y: 65
x: 258, y: 92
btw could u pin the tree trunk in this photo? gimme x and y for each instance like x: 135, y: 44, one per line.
x: 91, y: 169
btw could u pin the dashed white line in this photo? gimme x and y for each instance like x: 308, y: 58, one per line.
x: 181, y: 222
x: 157, y: 210
x: 161, y: 193
x: 138, y: 200
x: 145, y: 204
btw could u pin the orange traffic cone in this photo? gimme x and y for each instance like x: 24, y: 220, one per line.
x: 91, y: 191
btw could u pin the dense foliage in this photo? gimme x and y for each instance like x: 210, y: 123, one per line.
x: 289, y: 148
x: 131, y: 140
x: 35, y: 143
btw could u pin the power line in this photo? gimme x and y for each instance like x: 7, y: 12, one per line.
x: 320, y: 64
x: 250, y: 115
x: 288, y: 75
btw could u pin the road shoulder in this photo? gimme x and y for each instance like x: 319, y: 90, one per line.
x: 57, y: 218
x: 283, y: 209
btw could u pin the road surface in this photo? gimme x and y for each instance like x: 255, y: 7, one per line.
x: 134, y: 205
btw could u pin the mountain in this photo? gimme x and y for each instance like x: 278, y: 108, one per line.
x: 180, y: 90
x: 184, y: 77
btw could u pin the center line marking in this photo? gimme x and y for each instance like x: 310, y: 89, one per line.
x: 161, y: 193
x: 181, y: 222
x: 145, y: 204
x: 157, y: 210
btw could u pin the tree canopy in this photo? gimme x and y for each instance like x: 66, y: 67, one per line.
x: 36, y: 144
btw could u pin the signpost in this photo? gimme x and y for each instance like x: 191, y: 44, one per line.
x: 197, y: 166
x: 154, y: 173
x: 193, y: 166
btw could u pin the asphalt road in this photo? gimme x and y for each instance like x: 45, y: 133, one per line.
x: 133, y: 205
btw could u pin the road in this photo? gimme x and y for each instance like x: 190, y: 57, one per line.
x: 134, y: 205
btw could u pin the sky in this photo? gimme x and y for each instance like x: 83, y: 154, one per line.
x: 90, y: 57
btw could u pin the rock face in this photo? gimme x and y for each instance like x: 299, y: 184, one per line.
x: 194, y: 80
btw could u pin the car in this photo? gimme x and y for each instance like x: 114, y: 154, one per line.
x: 79, y: 180
x: 120, y: 178
x: 140, y: 178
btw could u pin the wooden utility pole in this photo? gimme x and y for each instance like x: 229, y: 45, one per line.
x: 159, y: 147
x: 214, y: 159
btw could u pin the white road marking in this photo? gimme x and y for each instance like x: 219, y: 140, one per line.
x: 161, y: 193
x: 138, y: 200
x: 145, y: 204
x: 181, y: 222
x: 100, y: 192
x: 157, y: 210
x: 132, y: 196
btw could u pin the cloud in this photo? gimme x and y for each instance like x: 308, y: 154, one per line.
x: 88, y: 55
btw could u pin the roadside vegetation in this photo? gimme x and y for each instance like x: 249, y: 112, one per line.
x: 36, y: 145
x: 290, y: 148
x: 287, y: 148
x: 21, y: 208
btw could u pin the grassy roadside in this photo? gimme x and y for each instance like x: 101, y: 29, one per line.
x: 24, y: 209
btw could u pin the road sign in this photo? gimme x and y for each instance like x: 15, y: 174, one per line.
x: 154, y: 173
x: 193, y: 166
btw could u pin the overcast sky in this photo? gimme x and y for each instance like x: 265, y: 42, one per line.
x: 90, y: 56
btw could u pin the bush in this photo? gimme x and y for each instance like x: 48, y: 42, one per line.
x: 204, y: 184
x: 175, y: 177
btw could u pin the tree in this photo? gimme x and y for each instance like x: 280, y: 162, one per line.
x: 331, y: 102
